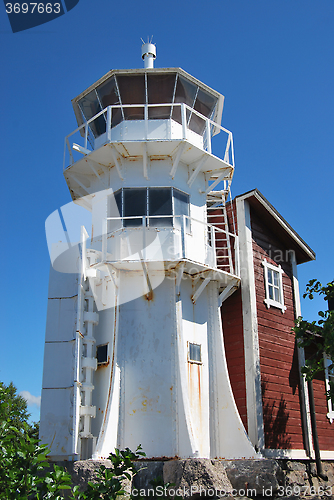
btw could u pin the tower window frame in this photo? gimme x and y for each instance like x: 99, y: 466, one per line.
x: 155, y: 216
x: 102, y: 354
x: 194, y: 353
x: 273, y: 280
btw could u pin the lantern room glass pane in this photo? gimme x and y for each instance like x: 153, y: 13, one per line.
x: 132, y: 91
x: 134, y: 204
x: 160, y: 89
x: 90, y: 106
x: 107, y: 93
x: 196, y: 123
x: 160, y: 203
x: 185, y: 92
x: 109, y: 96
x: 205, y: 103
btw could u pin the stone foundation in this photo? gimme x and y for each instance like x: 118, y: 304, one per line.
x: 198, y: 477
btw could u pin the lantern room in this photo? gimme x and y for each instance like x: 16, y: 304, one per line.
x: 149, y: 103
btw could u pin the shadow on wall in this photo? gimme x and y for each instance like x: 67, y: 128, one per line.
x: 275, y: 418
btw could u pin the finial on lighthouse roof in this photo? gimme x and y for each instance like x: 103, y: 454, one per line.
x: 148, y: 53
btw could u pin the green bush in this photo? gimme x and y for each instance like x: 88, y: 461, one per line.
x: 24, y: 473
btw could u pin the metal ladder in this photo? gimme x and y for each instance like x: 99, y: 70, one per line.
x: 217, y: 217
x: 85, y: 363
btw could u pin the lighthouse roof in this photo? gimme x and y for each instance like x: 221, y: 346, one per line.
x: 148, y: 86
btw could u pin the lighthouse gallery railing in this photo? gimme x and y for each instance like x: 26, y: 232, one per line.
x: 205, y: 128
x: 183, y: 238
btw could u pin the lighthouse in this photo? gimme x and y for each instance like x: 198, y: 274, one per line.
x: 134, y: 348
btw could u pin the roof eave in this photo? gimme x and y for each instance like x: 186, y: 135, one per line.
x: 305, y: 253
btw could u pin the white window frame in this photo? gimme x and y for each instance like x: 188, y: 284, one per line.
x: 268, y: 301
x: 200, y: 352
x: 328, y: 374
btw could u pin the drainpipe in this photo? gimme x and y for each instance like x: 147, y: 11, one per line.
x: 320, y: 472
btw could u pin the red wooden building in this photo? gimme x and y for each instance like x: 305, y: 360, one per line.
x: 262, y: 356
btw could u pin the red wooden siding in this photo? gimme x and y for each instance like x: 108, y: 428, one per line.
x: 278, y: 355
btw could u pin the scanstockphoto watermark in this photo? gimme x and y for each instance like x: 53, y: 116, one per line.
x: 24, y: 15
x: 200, y: 491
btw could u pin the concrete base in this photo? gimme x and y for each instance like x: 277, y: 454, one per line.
x: 198, y: 477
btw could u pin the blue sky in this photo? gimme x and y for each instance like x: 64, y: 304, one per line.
x: 274, y: 62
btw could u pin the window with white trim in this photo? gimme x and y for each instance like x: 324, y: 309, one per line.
x: 194, y: 353
x: 161, y: 206
x: 273, y: 286
x: 329, y: 380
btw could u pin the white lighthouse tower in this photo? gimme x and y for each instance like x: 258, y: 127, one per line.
x: 134, y: 349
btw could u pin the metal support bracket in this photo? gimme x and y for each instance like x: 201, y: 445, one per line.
x: 197, y: 170
x: 177, y: 159
x: 92, y: 167
x: 80, y: 183
x: 231, y: 288
x: 217, y: 181
x: 117, y: 163
x: 201, y: 288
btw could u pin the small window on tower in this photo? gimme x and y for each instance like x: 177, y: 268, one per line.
x: 102, y: 354
x: 194, y: 353
x: 273, y: 286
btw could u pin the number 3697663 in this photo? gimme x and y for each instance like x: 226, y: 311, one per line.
x: 33, y: 8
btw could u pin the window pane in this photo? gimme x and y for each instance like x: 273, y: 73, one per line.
x: 276, y: 293
x: 132, y: 91
x: 118, y: 199
x: 108, y: 96
x: 115, y: 210
x: 185, y: 92
x: 160, y: 89
x: 90, y: 106
x: 160, y: 203
x: 205, y: 103
x: 271, y: 292
x: 181, y: 207
x: 197, y: 124
x: 181, y: 203
x: 134, y: 204
x: 194, y: 352
x: 276, y: 278
x: 108, y: 93
x: 270, y: 276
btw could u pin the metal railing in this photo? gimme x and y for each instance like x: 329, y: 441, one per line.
x: 191, y: 122
x: 135, y: 238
